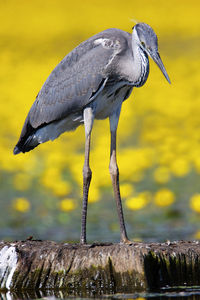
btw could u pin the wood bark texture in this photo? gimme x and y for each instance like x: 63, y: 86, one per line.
x: 97, y: 268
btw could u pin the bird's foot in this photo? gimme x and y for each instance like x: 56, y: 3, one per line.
x: 83, y: 241
x: 126, y: 241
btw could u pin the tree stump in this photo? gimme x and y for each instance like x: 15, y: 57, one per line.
x: 97, y: 268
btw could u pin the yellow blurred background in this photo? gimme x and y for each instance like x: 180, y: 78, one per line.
x: 159, y: 128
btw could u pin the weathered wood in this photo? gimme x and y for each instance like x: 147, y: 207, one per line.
x: 97, y: 268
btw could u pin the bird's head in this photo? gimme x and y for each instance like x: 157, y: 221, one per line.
x: 147, y: 40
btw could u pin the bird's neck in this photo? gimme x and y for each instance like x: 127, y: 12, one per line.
x: 140, y: 64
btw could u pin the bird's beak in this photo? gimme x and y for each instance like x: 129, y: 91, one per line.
x: 156, y: 57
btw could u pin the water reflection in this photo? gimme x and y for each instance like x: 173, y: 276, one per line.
x: 179, y: 293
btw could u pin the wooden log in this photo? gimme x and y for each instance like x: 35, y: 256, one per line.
x: 97, y: 268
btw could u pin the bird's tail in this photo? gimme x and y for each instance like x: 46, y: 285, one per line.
x: 28, y: 140
x: 26, y: 145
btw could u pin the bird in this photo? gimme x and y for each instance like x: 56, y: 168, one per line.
x: 92, y: 82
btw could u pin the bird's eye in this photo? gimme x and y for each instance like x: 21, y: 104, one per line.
x: 143, y: 44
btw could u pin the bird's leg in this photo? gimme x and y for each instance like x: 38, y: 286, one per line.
x: 114, y: 172
x: 87, y: 173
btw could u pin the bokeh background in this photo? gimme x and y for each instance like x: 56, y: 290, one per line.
x: 158, y: 136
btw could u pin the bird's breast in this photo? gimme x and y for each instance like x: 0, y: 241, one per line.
x: 109, y: 100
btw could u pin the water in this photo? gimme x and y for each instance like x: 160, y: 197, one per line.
x: 177, y: 293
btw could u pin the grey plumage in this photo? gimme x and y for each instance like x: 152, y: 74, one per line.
x: 75, y: 82
x: 92, y: 81
x: 104, y: 61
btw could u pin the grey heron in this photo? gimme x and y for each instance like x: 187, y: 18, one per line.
x: 92, y: 82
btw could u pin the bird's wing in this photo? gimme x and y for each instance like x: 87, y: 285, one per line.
x: 76, y: 80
